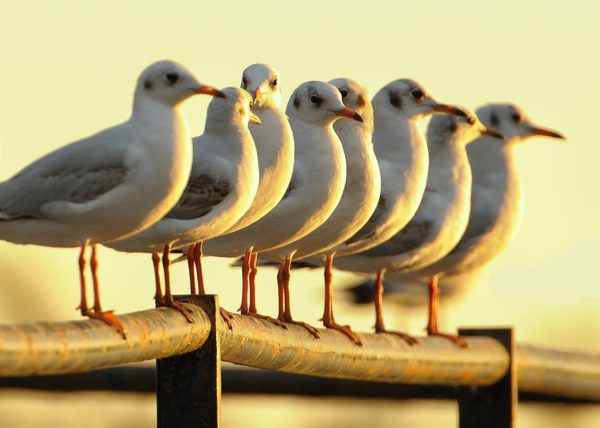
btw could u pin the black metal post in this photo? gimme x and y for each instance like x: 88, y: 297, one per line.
x: 490, y: 406
x: 188, y: 386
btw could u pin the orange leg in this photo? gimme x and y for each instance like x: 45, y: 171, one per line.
x: 287, y: 312
x: 252, y: 311
x: 328, y: 318
x: 190, y: 261
x: 97, y: 313
x: 198, y: 263
x: 168, y: 298
x: 432, y: 324
x: 158, y: 295
x: 378, y: 299
x: 83, y: 306
x: 245, y: 278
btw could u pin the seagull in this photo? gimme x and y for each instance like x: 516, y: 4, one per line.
x: 112, y: 184
x: 221, y: 188
x: 359, y: 198
x: 317, y: 181
x: 401, y: 152
x: 443, y: 213
x: 275, y: 150
x: 496, y: 200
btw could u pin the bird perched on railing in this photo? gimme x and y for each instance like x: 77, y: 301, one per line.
x: 275, y: 150
x: 496, y: 200
x: 359, y: 198
x: 317, y: 181
x: 110, y: 185
x: 221, y: 188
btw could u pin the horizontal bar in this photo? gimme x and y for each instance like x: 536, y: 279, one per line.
x: 77, y: 346
x: 259, y: 382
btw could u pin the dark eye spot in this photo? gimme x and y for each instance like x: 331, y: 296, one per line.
x: 361, y: 101
x: 344, y: 92
x: 395, y: 100
x: 172, y: 78
x: 296, y: 102
x: 452, y: 127
x: 494, y: 121
x: 244, y: 82
x: 148, y: 84
x: 417, y: 94
x: 471, y: 121
x: 274, y: 82
x: 516, y: 117
x: 316, y: 100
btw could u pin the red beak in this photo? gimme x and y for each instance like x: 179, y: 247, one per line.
x: 446, y: 108
x: 349, y: 113
x: 546, y: 133
x: 209, y: 90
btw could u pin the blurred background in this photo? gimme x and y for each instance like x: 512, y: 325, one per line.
x: 69, y: 69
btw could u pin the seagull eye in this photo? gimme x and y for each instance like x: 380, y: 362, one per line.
x: 344, y: 92
x: 244, y: 82
x: 471, y: 121
x: 417, y: 94
x: 172, y: 78
x: 274, y: 82
x: 316, y: 100
x: 250, y: 104
x: 516, y: 117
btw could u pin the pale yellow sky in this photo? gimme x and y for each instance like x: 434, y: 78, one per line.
x: 69, y: 67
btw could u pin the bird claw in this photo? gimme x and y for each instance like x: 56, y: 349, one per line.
x: 109, y: 318
x: 457, y: 340
x: 179, y: 308
x: 346, y: 330
x: 267, y: 318
x: 406, y: 337
x: 227, y: 317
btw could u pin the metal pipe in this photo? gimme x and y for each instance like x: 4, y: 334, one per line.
x: 79, y: 346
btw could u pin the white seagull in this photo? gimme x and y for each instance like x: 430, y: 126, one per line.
x: 110, y: 185
x: 359, y: 199
x: 221, y: 187
x: 275, y: 150
x: 496, y: 199
x: 401, y: 151
x: 317, y: 181
x: 442, y: 216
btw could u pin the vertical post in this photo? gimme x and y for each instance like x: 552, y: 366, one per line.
x: 490, y: 406
x: 188, y: 386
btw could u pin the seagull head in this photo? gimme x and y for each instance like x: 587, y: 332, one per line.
x: 318, y: 103
x: 512, y: 122
x: 355, y: 96
x: 458, y: 129
x: 410, y: 99
x: 170, y: 83
x: 234, y: 108
x: 262, y: 81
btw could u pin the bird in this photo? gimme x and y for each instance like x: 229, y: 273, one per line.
x: 401, y: 152
x: 359, y: 198
x: 443, y: 213
x: 496, y: 200
x: 220, y: 189
x: 112, y: 184
x: 317, y: 181
x: 275, y: 150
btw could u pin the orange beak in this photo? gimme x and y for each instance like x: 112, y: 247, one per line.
x: 209, y: 90
x: 256, y: 94
x: 349, y: 113
x: 546, y: 133
x: 491, y: 133
x: 446, y: 108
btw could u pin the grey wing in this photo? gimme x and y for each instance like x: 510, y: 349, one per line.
x: 200, y: 196
x: 409, y: 238
x: 370, y: 228
x: 483, y: 215
x: 77, y: 173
